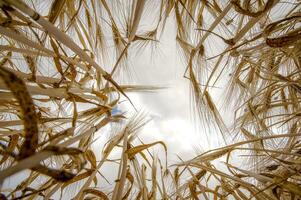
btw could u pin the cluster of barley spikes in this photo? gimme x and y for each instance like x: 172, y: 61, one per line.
x: 58, y: 91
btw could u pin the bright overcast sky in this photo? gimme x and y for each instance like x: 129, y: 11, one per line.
x: 171, y: 109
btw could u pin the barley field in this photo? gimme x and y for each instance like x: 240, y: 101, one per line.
x: 71, y: 129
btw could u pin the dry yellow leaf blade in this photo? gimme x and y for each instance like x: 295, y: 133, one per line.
x: 137, y: 149
x: 77, y: 178
x: 97, y: 193
x: 91, y: 158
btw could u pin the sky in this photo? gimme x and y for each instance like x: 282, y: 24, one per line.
x: 171, y: 108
